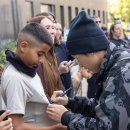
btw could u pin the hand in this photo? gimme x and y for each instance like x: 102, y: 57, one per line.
x: 7, y: 124
x: 55, y: 111
x: 59, y: 100
x: 85, y: 73
x: 65, y: 66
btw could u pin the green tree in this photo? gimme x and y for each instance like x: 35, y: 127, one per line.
x: 124, y: 10
x: 120, y: 8
x: 10, y: 46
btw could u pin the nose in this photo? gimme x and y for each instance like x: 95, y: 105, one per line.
x: 52, y: 31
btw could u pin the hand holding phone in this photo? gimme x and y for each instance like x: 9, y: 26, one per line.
x: 5, y: 122
x: 4, y: 115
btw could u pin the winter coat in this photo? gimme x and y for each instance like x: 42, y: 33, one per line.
x: 110, y: 109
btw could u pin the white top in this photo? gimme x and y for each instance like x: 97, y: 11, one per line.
x: 25, y: 95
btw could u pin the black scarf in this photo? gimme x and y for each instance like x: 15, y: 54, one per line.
x: 15, y: 60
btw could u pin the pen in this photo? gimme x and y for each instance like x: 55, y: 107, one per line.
x: 65, y: 92
x: 61, y: 95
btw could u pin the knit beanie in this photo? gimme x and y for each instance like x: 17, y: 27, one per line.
x: 85, y: 36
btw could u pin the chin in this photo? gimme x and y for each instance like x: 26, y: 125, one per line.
x: 35, y: 66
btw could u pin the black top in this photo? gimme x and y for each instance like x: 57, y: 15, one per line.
x: 63, y: 55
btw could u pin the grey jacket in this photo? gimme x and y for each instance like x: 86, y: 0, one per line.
x: 110, y: 109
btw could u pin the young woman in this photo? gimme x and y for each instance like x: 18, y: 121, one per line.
x: 60, y: 49
x: 116, y: 32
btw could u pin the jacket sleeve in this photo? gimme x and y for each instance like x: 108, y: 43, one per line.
x: 82, y: 105
x: 112, y: 111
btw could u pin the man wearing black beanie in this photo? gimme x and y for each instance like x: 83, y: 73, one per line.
x: 110, y: 109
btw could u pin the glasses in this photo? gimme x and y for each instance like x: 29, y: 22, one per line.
x: 98, y: 21
x: 116, y: 18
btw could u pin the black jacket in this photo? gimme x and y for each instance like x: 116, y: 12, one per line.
x: 110, y: 109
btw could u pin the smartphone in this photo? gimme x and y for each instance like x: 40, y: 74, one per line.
x: 1, y: 112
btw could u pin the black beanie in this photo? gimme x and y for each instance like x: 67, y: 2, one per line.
x: 85, y: 36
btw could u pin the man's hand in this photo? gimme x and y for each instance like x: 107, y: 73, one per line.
x: 55, y: 111
x: 59, y: 100
x: 85, y: 73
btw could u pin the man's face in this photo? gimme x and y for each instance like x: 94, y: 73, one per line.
x: 90, y: 61
x: 98, y: 21
x: 31, y: 55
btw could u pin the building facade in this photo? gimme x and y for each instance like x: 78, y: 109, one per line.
x: 15, y: 13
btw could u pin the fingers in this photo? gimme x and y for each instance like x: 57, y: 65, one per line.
x: 55, y: 95
x: 57, y: 99
x: 55, y: 111
x: 86, y: 73
x: 6, y: 113
x: 6, y: 125
x: 67, y: 64
x: 64, y: 63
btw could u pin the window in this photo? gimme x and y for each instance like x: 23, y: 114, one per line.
x: 83, y: 9
x: 69, y: 14
x: 29, y: 10
x: 51, y: 8
x: 76, y: 11
x: 103, y: 13
x: 106, y: 17
x: 89, y: 12
x: 94, y: 12
x: 62, y: 15
x: 44, y: 8
x: 48, y: 8
x: 98, y: 13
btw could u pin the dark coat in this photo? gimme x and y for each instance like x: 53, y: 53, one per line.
x: 63, y: 55
x: 110, y: 110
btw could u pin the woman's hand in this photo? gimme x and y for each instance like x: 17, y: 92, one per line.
x: 65, y: 67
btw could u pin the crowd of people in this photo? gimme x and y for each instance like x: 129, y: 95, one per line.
x: 93, y: 62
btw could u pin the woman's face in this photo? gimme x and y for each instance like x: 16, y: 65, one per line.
x: 117, y: 32
x: 50, y: 26
x: 58, y: 31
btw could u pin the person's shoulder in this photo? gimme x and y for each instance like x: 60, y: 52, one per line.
x: 10, y: 72
x: 10, y: 69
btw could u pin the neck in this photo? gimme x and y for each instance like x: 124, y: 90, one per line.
x: 117, y: 38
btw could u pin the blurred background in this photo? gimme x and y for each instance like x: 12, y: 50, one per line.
x: 15, y: 13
